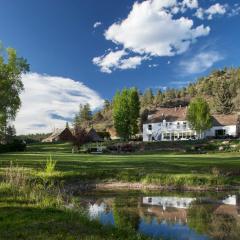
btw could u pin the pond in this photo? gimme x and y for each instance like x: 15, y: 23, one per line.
x: 168, y: 215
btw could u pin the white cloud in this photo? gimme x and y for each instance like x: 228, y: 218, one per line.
x: 144, y: 31
x: 49, y: 97
x: 97, y: 24
x: 190, y: 3
x: 152, y: 29
x: 153, y: 65
x: 115, y: 60
x: 209, y: 13
x: 235, y: 10
x: 201, y: 62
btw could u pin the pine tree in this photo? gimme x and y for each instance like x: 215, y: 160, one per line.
x: 223, y: 98
x: 159, y: 97
x: 84, y: 116
x: 147, y: 98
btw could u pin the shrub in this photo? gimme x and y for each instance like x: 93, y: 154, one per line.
x: 50, y: 165
x: 15, y: 146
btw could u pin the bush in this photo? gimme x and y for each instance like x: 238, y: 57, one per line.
x: 15, y: 146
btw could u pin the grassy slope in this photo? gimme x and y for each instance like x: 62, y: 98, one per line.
x: 175, y: 169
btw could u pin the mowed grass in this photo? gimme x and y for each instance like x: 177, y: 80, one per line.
x: 160, y: 168
x: 28, y: 212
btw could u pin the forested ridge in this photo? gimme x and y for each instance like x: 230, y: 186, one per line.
x: 221, y: 89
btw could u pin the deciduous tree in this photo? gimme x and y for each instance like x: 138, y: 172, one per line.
x: 199, y: 115
x: 10, y: 86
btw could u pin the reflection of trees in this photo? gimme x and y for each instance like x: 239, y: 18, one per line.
x: 224, y: 227
x: 204, y: 220
x: 125, y: 213
x: 199, y: 217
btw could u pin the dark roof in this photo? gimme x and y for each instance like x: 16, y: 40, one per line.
x: 92, y: 134
x: 180, y: 114
x: 168, y: 114
x: 224, y: 120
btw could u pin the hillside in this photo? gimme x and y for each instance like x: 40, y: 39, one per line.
x: 219, y: 83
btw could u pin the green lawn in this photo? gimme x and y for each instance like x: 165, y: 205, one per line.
x: 31, y: 212
x: 160, y: 168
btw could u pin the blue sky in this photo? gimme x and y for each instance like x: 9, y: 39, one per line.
x: 148, y: 44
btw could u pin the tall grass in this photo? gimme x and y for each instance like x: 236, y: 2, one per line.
x: 40, y: 191
x: 50, y: 166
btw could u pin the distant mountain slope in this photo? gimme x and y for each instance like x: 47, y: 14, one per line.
x: 212, y: 87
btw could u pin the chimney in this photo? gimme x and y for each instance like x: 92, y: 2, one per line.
x: 175, y: 109
x: 180, y: 106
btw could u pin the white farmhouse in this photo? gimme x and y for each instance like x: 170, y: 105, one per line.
x: 170, y: 124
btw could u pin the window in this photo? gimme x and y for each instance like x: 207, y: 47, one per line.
x: 178, y: 125
x: 150, y: 127
x: 149, y: 200
x: 184, y: 125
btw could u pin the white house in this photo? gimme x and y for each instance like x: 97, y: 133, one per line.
x: 170, y: 124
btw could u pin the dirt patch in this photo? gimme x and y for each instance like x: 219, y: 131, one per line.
x: 83, y: 186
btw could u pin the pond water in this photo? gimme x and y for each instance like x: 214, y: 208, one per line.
x: 174, y: 215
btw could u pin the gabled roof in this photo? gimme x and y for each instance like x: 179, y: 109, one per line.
x: 168, y: 114
x: 224, y: 120
x: 180, y: 114
x: 93, y: 135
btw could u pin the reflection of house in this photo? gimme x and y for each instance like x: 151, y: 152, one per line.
x: 165, y: 202
x: 95, y: 210
x: 64, y: 135
x: 170, y: 124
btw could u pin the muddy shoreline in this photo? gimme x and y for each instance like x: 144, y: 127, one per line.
x: 87, y: 186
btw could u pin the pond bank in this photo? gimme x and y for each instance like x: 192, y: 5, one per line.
x: 84, y: 186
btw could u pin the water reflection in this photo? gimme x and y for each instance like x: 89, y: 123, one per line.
x: 170, y: 217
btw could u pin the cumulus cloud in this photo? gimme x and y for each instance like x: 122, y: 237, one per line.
x: 49, y: 101
x: 201, y: 62
x: 115, y: 60
x: 97, y: 24
x: 152, y: 29
x: 144, y: 31
x: 209, y: 13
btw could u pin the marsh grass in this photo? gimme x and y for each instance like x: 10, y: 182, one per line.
x: 40, y: 191
x: 38, y: 208
x: 50, y: 165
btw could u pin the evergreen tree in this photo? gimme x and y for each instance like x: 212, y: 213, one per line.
x: 223, y: 98
x: 191, y: 90
x: 84, y: 116
x: 10, y: 133
x: 159, y: 97
x: 147, y: 98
